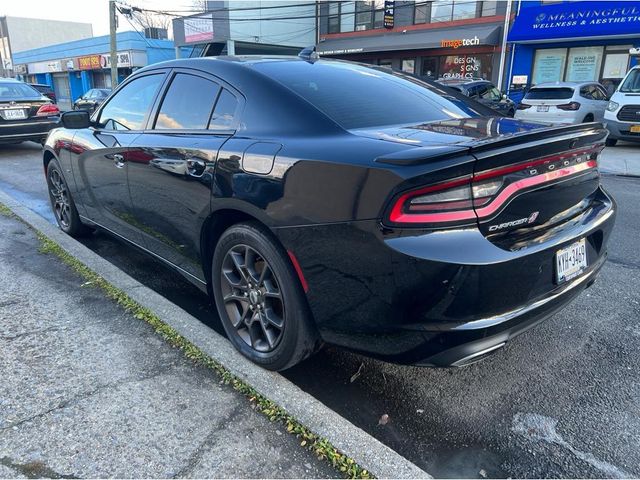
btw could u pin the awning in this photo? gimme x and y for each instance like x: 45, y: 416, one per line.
x: 413, y: 40
x: 576, y: 21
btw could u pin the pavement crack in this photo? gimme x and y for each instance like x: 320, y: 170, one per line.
x: 209, y: 439
x: 31, y: 332
x: 83, y: 396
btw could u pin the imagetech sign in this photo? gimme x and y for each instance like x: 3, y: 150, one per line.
x: 575, y: 20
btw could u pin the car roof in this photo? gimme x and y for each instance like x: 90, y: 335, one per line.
x: 564, y: 84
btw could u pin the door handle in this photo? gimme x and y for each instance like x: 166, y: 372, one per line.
x: 118, y: 160
x: 196, y: 167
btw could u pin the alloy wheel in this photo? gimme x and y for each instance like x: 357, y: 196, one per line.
x: 252, y: 298
x: 60, y: 198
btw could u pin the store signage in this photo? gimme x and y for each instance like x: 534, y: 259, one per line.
x: 575, y: 20
x: 124, y: 60
x: 461, y: 42
x: 45, y: 67
x: 389, y: 16
x: 198, y: 29
x: 519, y: 79
x: 90, y: 62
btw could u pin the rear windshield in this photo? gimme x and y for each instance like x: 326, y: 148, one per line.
x: 357, y: 96
x: 10, y: 91
x: 631, y: 84
x: 559, y: 93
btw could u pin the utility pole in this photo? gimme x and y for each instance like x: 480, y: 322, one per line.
x: 113, y: 47
x: 503, y: 51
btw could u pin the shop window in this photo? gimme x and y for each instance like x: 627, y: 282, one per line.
x: 347, y: 16
x: 421, y: 14
x: 489, y: 8
x: 441, y: 11
x: 466, y: 66
x: 548, y: 65
x: 378, y: 19
x: 463, y: 9
x: 583, y: 64
x: 364, y: 15
x: 334, y: 17
x: 430, y: 67
x: 409, y: 65
x: 385, y: 62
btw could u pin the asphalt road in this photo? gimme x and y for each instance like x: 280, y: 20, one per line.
x: 562, y: 400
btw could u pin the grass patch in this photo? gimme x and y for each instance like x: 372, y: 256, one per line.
x: 321, y: 447
x: 5, y: 211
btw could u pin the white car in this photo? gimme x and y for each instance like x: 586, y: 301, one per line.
x: 564, y: 103
x: 623, y: 112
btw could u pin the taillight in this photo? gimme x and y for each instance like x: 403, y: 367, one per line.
x: 523, y: 106
x: 47, y: 110
x: 571, y: 106
x: 484, y: 194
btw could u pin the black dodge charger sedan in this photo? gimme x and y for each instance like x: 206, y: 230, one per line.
x: 326, y: 201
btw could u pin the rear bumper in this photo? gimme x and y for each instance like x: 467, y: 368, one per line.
x: 437, y: 298
x: 32, y: 129
x: 621, y: 131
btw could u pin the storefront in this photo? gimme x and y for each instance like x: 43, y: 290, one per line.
x: 73, y: 68
x: 464, y: 52
x: 574, y: 42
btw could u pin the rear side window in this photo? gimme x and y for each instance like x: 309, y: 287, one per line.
x: 187, y: 104
x: 128, y: 108
x: 355, y: 96
x: 559, y: 93
x: 224, y: 112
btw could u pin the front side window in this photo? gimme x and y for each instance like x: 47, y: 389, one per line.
x: 129, y: 107
x: 491, y: 93
x: 187, y: 104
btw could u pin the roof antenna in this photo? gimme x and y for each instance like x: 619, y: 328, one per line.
x: 309, y: 54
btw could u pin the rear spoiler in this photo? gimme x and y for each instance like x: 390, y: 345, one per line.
x: 577, y: 134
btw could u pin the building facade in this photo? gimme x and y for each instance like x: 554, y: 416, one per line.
x: 253, y: 27
x: 72, y: 68
x: 431, y: 39
x: 573, y: 41
x: 18, y: 34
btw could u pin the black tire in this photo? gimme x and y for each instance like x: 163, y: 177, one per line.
x: 62, y: 204
x: 255, y: 283
x: 611, y: 142
x: 511, y: 113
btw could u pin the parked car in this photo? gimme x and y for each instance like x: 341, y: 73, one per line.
x: 622, y: 116
x: 25, y: 114
x: 92, y: 99
x: 389, y: 216
x: 564, y: 103
x: 45, y: 90
x: 484, y: 92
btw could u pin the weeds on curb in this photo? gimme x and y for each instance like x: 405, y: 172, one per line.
x: 5, y: 211
x: 321, y: 447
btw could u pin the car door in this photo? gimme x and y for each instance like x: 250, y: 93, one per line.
x: 601, y: 98
x: 100, y: 155
x: 171, y: 166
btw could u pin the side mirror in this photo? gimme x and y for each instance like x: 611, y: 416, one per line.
x: 75, y: 119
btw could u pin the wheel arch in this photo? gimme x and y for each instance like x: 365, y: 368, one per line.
x: 47, y: 156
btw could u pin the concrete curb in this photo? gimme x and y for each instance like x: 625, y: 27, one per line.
x: 368, y: 452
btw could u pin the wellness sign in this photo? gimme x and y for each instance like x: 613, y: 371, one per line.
x: 576, y: 19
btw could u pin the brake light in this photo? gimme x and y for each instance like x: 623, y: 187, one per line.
x: 482, y: 195
x: 523, y: 106
x: 572, y: 106
x: 47, y: 110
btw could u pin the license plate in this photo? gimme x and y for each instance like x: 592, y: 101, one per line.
x: 543, y: 108
x: 14, y: 114
x: 635, y: 129
x: 571, y: 261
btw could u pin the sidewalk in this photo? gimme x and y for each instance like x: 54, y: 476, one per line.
x: 623, y: 159
x: 86, y: 390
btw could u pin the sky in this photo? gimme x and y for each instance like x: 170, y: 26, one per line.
x: 95, y: 12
